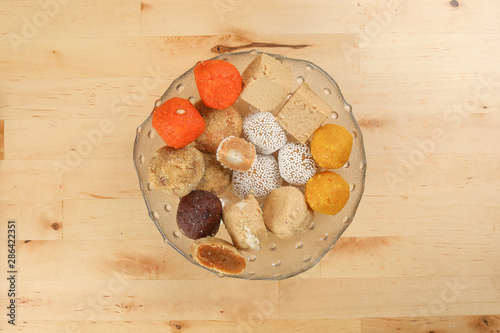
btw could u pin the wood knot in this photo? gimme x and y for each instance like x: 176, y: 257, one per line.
x: 220, y: 49
x: 55, y: 226
x: 175, y: 325
x: 454, y: 3
x: 145, y: 6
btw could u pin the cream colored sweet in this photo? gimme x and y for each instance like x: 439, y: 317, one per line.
x: 286, y: 212
x: 303, y: 113
x: 236, y: 153
x: 245, y: 224
x: 266, y: 83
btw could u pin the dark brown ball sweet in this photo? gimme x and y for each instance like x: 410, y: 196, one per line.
x: 199, y: 214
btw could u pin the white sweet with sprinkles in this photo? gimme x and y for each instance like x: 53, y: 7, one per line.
x: 262, y: 129
x: 296, y: 163
x: 261, y: 179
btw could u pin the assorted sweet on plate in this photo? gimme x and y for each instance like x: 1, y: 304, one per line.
x: 286, y: 212
x: 236, y: 154
x: 219, y: 83
x: 176, y: 171
x: 218, y: 255
x: 244, y: 222
x: 199, y: 214
x: 220, y: 124
x: 276, y: 159
x: 178, y: 122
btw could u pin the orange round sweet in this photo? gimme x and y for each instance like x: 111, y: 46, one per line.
x: 331, y: 146
x: 178, y: 122
x: 327, y: 192
x: 219, y: 83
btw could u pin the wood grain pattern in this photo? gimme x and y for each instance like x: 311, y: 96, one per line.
x: 431, y: 53
x: 2, y: 142
x: 410, y: 256
x: 68, y: 19
x: 283, y: 17
x: 68, y: 179
x: 422, y: 252
x: 36, y: 220
x: 117, y: 299
x: 466, y: 324
x: 417, y: 297
x: 145, y: 56
x: 115, y: 219
x: 127, y: 97
x: 426, y: 215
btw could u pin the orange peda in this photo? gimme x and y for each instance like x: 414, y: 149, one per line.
x: 178, y: 122
x: 219, y: 83
x: 331, y: 146
x: 327, y: 192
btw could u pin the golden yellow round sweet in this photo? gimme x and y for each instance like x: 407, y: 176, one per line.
x: 331, y: 146
x: 327, y: 192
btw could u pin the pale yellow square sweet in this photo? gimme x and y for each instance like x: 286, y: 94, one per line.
x: 266, y: 83
x: 303, y: 113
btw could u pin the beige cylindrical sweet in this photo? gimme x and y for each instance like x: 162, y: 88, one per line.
x: 245, y: 224
x: 286, y: 212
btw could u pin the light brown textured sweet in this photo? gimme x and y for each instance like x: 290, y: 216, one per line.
x: 217, y: 178
x: 218, y: 255
x: 219, y: 124
x: 236, y: 153
x: 286, y: 212
x: 176, y: 171
x: 266, y: 83
x: 303, y: 113
x: 245, y: 224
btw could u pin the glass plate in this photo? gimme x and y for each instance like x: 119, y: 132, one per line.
x: 278, y: 258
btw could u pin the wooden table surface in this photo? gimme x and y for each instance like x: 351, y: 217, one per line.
x: 422, y: 254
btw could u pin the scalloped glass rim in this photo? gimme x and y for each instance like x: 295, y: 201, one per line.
x: 278, y: 259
